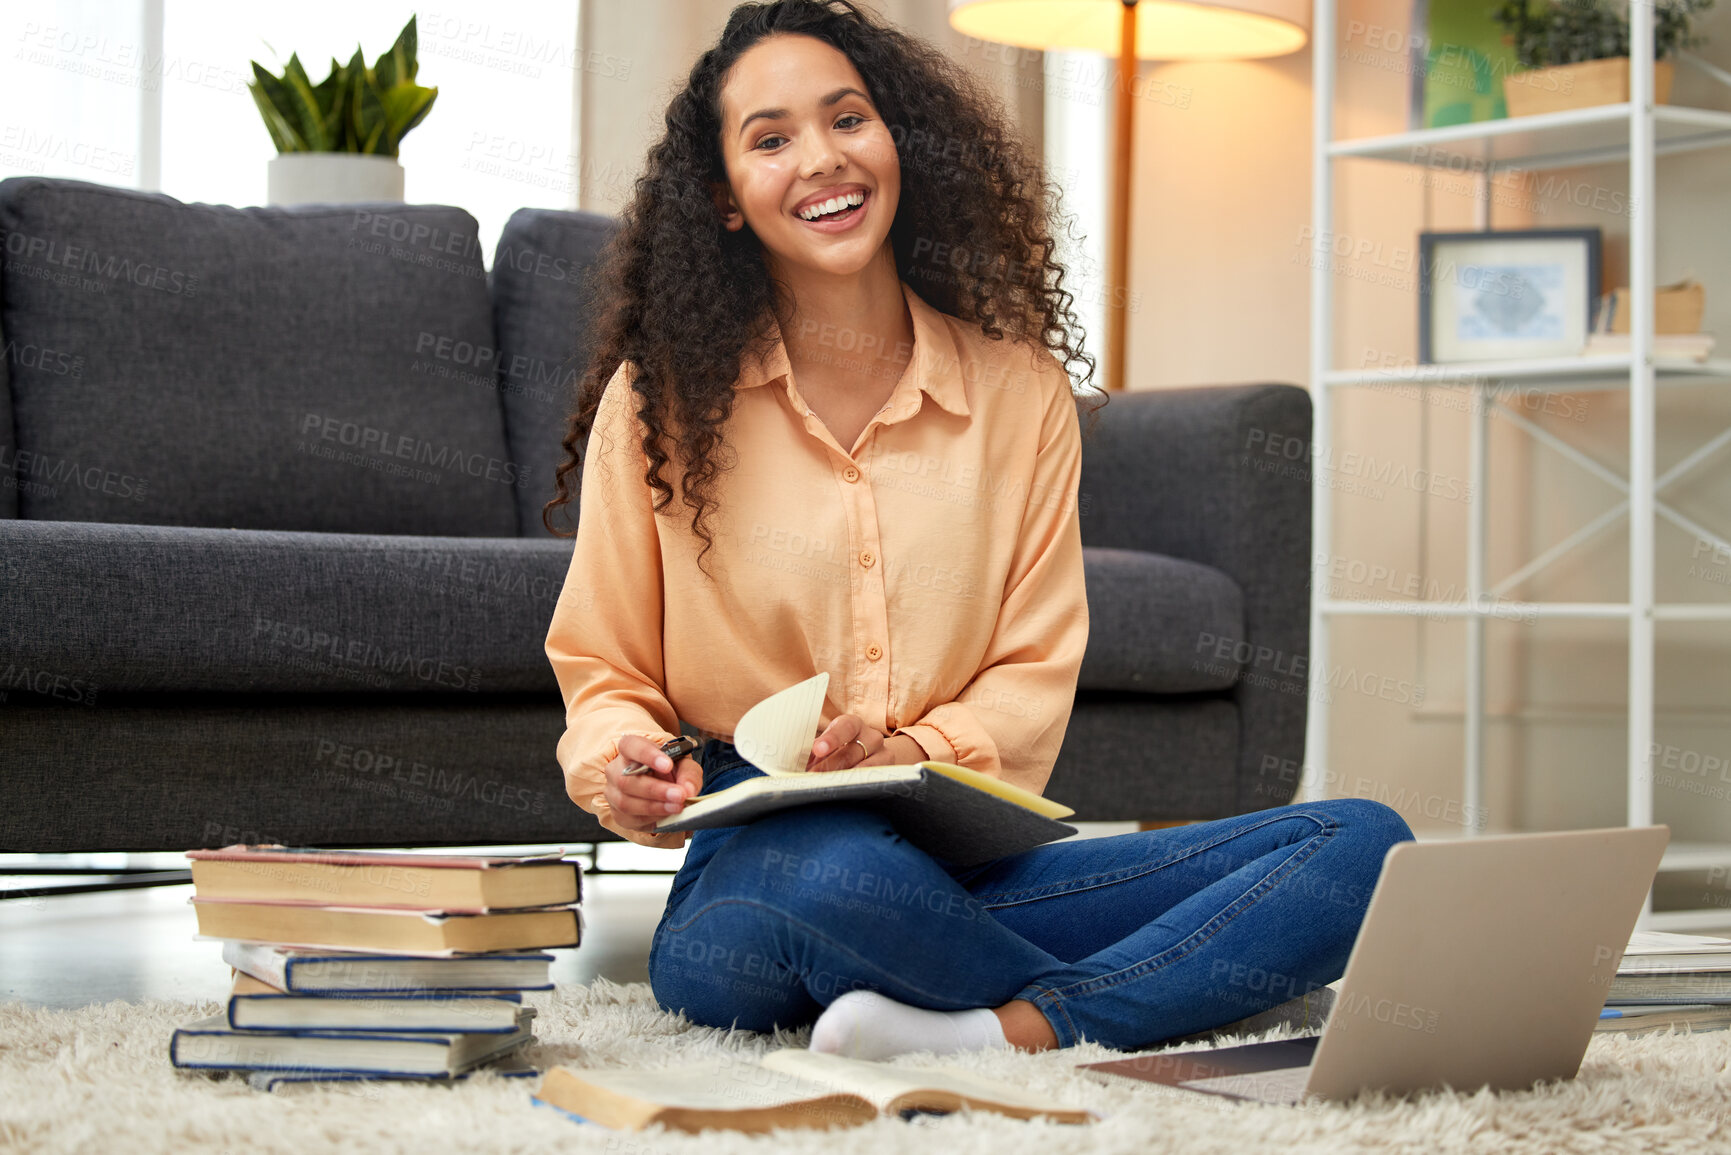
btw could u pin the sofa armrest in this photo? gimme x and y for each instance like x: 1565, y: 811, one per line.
x: 1204, y: 474
x: 8, y: 434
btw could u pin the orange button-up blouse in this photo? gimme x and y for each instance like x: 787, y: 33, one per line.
x: 934, y: 568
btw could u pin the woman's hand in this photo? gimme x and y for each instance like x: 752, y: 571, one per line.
x: 639, y: 801
x: 835, y: 748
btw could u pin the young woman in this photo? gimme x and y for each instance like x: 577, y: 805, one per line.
x: 831, y: 312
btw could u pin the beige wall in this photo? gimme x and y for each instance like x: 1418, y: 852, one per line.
x: 1222, y: 192
x: 1222, y: 198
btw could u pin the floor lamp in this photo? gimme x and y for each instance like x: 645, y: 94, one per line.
x: 1131, y: 30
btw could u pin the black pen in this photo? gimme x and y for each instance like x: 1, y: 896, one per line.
x: 675, y: 749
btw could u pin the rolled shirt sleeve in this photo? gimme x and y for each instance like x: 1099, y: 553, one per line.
x: 1009, y: 721
x: 605, y: 640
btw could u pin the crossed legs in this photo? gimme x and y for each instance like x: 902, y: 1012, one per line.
x: 1124, y: 940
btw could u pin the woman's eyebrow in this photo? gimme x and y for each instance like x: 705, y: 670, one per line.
x: 778, y: 113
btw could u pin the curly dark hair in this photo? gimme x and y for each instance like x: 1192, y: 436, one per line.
x: 684, y: 299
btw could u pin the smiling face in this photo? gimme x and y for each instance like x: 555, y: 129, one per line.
x: 799, y: 135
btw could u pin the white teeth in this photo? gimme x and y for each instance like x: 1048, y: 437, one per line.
x: 833, y: 204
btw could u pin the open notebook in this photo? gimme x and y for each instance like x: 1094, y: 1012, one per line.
x: 947, y: 810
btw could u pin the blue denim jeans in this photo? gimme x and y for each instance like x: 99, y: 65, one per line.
x: 1125, y: 940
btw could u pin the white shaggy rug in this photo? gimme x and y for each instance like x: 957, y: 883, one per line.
x: 97, y: 1079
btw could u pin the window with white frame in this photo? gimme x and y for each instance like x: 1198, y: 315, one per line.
x: 1077, y: 116
x: 152, y: 94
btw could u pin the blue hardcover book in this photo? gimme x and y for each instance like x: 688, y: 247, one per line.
x: 257, y: 1006
x: 211, y: 1044
x: 1635, y: 1020
x: 329, y: 972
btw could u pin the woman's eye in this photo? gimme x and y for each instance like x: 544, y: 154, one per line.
x: 770, y: 141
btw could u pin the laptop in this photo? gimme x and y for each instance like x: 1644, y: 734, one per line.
x: 1482, y: 962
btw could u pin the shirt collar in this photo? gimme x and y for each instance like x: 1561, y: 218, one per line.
x: 936, y: 363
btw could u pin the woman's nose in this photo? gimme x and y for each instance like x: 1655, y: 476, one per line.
x: 821, y: 157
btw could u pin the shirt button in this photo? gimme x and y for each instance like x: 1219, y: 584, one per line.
x: 866, y: 559
x: 874, y: 653
x: 850, y: 473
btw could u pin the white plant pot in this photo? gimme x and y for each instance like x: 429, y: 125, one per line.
x: 299, y: 178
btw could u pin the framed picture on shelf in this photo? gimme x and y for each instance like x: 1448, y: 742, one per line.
x: 1502, y: 296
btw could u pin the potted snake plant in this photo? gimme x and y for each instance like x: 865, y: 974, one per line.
x: 1575, y: 53
x: 337, y: 140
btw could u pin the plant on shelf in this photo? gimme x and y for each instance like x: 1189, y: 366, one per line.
x: 1551, y: 32
x: 355, y: 112
x: 1577, y: 51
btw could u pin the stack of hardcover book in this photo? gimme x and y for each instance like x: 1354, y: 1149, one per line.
x: 1667, y: 981
x: 375, y: 964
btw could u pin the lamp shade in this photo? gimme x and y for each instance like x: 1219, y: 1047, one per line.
x: 1165, y: 29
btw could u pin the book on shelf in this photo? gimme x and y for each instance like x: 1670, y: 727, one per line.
x: 945, y: 809
x: 1675, y: 346
x: 1677, y: 308
x: 271, y: 872
x: 211, y: 1044
x: 388, y: 929
x: 325, y: 972
x: 258, y: 1006
x: 793, y: 1088
x: 510, y: 1066
x: 1640, y: 1020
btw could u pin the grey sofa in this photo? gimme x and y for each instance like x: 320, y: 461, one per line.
x: 272, y: 565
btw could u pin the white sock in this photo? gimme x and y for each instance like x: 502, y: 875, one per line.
x: 866, y: 1025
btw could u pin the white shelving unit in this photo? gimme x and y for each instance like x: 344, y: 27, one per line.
x: 1638, y: 132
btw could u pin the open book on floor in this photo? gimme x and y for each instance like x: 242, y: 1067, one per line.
x: 947, y: 810
x: 787, y: 1088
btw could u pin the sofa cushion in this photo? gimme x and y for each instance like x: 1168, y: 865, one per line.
x: 150, y: 608
x: 267, y: 368
x: 542, y: 307
x: 1132, y: 756
x: 127, y: 607
x: 1156, y: 624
